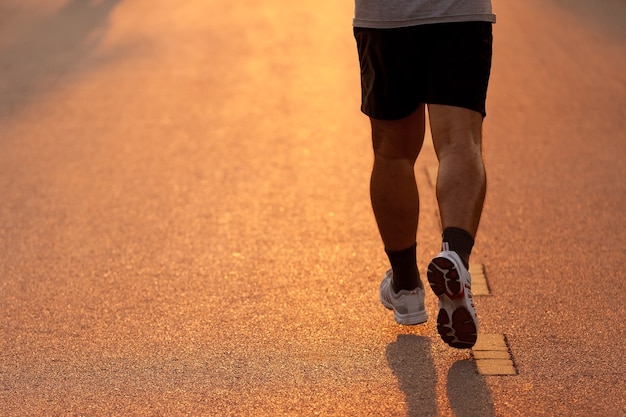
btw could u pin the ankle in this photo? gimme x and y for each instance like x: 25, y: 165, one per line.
x: 404, y: 267
x: 459, y: 241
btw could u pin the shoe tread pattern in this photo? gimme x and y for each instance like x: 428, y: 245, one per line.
x: 455, y: 323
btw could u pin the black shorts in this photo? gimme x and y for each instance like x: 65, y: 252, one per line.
x: 446, y: 63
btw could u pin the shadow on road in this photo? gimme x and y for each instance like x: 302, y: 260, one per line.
x: 468, y: 393
x: 40, y: 55
x: 410, y: 359
x: 411, y: 362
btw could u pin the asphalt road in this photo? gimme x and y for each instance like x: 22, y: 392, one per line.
x: 185, y: 225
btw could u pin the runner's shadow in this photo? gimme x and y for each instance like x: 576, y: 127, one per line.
x: 468, y: 393
x: 410, y: 359
x: 46, y: 50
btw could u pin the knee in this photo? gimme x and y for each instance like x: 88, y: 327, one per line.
x: 398, y: 139
x: 456, y: 131
x: 467, y: 149
x: 386, y: 146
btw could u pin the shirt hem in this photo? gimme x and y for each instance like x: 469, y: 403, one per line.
x: 390, y: 24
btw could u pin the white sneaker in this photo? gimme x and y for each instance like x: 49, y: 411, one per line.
x: 457, y: 322
x: 408, y: 306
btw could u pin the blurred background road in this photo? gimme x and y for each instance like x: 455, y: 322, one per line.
x: 185, y: 225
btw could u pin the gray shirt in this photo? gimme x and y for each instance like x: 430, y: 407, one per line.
x: 400, y: 13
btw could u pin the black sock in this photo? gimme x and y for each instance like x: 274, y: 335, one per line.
x: 459, y: 241
x: 404, y: 266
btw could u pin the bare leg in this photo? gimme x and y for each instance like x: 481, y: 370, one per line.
x: 393, y: 189
x: 461, y: 182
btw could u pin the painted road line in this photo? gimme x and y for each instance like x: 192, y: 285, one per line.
x: 493, y: 356
x: 479, y: 280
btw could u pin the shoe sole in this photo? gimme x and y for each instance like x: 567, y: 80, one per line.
x: 455, y: 323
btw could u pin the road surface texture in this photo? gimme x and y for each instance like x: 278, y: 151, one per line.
x: 185, y: 225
